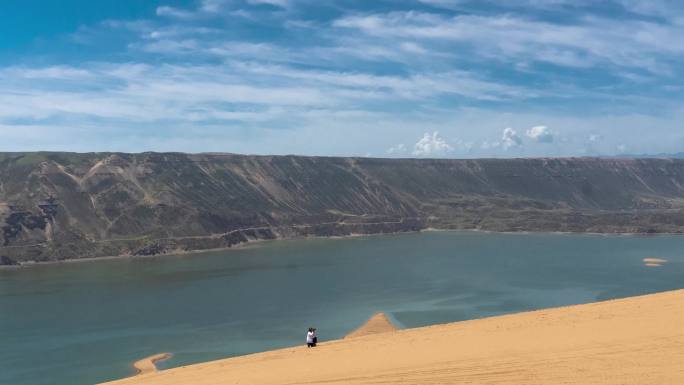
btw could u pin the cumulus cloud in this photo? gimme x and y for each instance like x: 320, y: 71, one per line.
x: 510, y: 138
x: 541, y: 134
x: 431, y: 145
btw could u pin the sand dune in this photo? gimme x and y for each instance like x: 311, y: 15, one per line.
x: 634, y: 341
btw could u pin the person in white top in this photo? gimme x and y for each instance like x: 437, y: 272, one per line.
x: 311, y: 338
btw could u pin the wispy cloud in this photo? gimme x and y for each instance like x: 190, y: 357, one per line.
x: 237, y: 90
x: 399, y: 149
x: 359, y: 77
x: 278, y: 3
x: 206, y: 8
x: 175, y: 12
x: 590, y: 42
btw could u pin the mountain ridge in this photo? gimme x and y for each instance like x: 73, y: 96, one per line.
x: 56, y: 206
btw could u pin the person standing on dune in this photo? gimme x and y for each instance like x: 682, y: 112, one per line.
x: 310, y: 335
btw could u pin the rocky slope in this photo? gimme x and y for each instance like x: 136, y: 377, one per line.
x: 63, y: 205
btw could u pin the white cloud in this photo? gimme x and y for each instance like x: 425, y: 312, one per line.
x: 412, y: 87
x: 510, y: 139
x: 277, y: 3
x: 592, y: 41
x: 175, y: 12
x: 448, y: 4
x: 413, y: 48
x: 541, y: 134
x: 45, y: 73
x: 376, y: 74
x: 206, y: 8
x: 396, y: 150
x: 139, y: 93
x: 431, y: 145
x: 212, y: 6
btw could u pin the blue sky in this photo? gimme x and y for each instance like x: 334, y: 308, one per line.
x: 386, y: 78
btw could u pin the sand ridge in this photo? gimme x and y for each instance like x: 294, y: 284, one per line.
x: 632, y: 341
x: 378, y: 323
x: 148, y: 364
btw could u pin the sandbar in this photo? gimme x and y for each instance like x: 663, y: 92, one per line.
x: 148, y: 364
x: 654, y: 262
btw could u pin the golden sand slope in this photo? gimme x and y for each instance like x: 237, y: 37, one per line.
x: 147, y: 364
x: 378, y: 323
x: 634, y: 341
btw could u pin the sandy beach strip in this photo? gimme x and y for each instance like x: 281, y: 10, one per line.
x: 148, y: 364
x: 632, y: 341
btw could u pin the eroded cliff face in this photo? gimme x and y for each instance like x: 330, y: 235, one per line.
x: 62, y: 205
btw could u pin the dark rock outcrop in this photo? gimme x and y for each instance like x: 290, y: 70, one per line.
x: 57, y: 206
x: 7, y: 261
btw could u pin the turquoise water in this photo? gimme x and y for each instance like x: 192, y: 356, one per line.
x: 84, y: 323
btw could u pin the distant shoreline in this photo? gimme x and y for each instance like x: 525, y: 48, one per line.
x: 256, y: 242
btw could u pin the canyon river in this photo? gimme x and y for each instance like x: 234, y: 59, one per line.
x: 86, y: 322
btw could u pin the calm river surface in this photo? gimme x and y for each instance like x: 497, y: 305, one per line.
x: 83, y: 323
